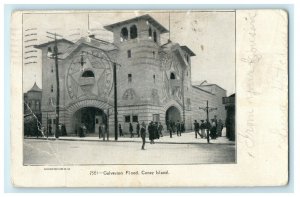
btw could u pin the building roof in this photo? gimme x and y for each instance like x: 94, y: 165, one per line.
x: 199, y: 88
x: 212, y: 85
x: 47, y: 43
x: 35, y: 88
x: 188, y: 50
x: 147, y: 17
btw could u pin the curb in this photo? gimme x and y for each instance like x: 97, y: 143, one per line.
x: 88, y: 140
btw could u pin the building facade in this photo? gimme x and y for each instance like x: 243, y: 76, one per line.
x: 32, y: 110
x: 153, y: 79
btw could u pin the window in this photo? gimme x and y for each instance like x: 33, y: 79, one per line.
x: 153, y: 53
x: 135, y: 118
x: 54, y: 121
x: 156, y: 118
x: 129, y: 78
x: 124, y: 34
x: 187, y: 59
x: 52, y: 69
x: 154, y: 36
x: 129, y: 53
x: 133, y: 32
x: 88, y: 73
x: 172, y: 76
x: 51, y: 88
x: 150, y: 33
x: 154, y: 78
x: 127, y: 118
x: 37, y: 105
x: 49, y: 121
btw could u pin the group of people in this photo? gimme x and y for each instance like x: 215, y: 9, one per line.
x: 155, y: 130
x: 208, y: 129
x: 177, y: 127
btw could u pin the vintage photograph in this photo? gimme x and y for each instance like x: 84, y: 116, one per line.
x: 129, y: 87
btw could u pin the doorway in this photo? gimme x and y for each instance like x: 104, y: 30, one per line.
x: 90, y: 117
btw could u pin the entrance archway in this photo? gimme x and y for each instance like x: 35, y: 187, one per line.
x: 90, y: 117
x: 172, y: 115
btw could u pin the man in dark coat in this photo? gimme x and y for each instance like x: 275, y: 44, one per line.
x: 182, y: 126
x: 178, y: 128
x: 138, y: 129
x: 143, y: 135
x: 63, y: 130
x: 151, y: 132
x: 169, y: 128
x: 196, y: 129
x: 131, y: 130
x: 120, y: 130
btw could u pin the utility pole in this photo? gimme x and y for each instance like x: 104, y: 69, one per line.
x: 55, y: 56
x: 115, y: 100
x: 207, y: 110
x: 183, y: 101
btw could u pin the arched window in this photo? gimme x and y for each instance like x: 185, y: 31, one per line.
x: 187, y: 59
x: 172, y: 76
x: 133, y: 32
x: 154, y: 36
x: 88, y: 73
x: 150, y: 33
x: 124, y: 34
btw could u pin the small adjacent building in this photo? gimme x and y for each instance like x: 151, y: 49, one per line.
x: 32, y: 110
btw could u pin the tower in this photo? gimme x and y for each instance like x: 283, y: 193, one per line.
x: 139, y: 77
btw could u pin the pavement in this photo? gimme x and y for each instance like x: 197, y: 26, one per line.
x: 185, y: 138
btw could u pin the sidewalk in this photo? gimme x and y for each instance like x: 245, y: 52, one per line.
x: 185, y: 138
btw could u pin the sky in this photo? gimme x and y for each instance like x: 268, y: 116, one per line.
x: 209, y: 34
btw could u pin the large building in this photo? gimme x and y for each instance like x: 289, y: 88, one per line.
x: 153, y: 79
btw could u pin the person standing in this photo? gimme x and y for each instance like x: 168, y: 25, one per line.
x: 202, y: 128
x: 50, y: 129
x: 169, y: 128
x: 219, y: 128
x: 207, y: 126
x: 160, y: 129
x: 138, y: 129
x: 213, y: 129
x: 63, y: 129
x: 131, y: 130
x: 178, y: 128
x: 103, y: 131
x: 100, y: 131
x: 143, y: 135
x: 120, y: 130
x: 182, y: 127
x: 196, y: 129
x: 156, y: 131
x: 151, y: 132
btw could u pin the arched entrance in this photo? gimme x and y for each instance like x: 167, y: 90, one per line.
x: 90, y: 117
x: 172, y: 115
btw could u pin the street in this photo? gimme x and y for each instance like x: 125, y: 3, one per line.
x: 165, y: 151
